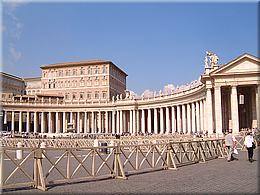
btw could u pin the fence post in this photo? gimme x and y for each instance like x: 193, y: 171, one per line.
x: 19, y: 153
x: 117, y: 165
x: 201, y: 153
x: 39, y: 181
x: 220, y: 148
x: 169, y: 158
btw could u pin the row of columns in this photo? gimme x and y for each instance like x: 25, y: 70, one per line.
x: 218, y: 110
x: 184, y: 118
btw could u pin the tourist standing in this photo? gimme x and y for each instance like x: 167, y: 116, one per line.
x: 249, y: 143
x: 230, y: 142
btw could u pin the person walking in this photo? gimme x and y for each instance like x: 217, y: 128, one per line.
x: 249, y: 143
x: 230, y: 142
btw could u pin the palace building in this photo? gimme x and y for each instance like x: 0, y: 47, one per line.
x: 92, y: 96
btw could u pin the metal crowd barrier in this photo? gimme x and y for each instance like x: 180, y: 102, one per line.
x: 44, y: 167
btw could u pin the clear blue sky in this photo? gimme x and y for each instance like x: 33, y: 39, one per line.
x: 154, y: 43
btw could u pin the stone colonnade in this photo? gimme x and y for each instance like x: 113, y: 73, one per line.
x: 186, y: 118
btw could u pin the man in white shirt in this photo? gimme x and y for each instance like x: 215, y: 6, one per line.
x: 249, y: 145
x: 230, y: 142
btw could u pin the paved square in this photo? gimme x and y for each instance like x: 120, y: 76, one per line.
x: 214, y: 176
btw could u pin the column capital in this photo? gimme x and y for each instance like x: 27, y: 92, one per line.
x: 217, y: 87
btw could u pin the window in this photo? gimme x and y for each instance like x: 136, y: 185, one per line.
x: 96, y: 70
x: 104, y: 70
x: 81, y: 70
x: 74, y: 72
x: 96, y: 95
x: 96, y: 81
x: 104, y: 80
x: 89, y: 71
x: 60, y: 73
x: 81, y: 95
x: 104, y: 95
x: 66, y: 96
x: 73, y: 96
x: 89, y: 95
x: 81, y: 82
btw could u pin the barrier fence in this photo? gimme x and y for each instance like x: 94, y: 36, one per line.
x: 127, y: 140
x: 44, y: 167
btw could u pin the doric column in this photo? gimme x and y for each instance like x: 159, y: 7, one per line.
x: 12, y: 123
x: 106, y: 122
x: 204, y: 116
x: 92, y: 122
x: 218, y: 110
x: 28, y: 122
x: 167, y: 117
x: 42, y: 123
x: 161, y: 121
x: 198, y: 116
x: 234, y: 110
x: 121, y: 122
x: 193, y: 113
x: 124, y: 121
x: 173, y: 120
x: 155, y: 121
x: 209, y: 116
x: 35, y: 123
x: 117, y: 121
x: 71, y: 117
x: 80, y: 123
x: 183, y: 118
x: 143, y: 121
x: 131, y: 122
x: 20, y: 121
x: 188, y: 119
x: 50, y: 123
x: 99, y: 122
x: 64, y: 122
x: 85, y: 122
x: 179, y: 118
x: 88, y: 122
x: 201, y: 116
x: 57, y: 122
x: 5, y: 117
x: 137, y: 121
x: 257, y: 105
x: 113, y: 122
x: 134, y: 121
x: 149, y: 121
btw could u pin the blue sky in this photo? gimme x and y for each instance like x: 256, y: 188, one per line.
x: 154, y: 43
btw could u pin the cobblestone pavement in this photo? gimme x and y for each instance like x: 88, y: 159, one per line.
x: 214, y: 176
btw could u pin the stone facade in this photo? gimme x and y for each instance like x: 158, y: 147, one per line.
x: 96, y: 79
x: 226, y: 97
x: 33, y: 85
x: 11, y: 84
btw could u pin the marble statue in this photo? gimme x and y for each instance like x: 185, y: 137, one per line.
x: 211, y: 59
